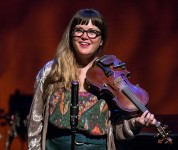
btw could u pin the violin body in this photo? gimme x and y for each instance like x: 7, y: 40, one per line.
x: 109, y: 76
x: 109, y: 85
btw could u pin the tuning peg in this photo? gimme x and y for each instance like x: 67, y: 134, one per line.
x: 157, y: 135
x: 169, y: 141
x: 165, y: 126
x: 160, y: 141
x: 169, y: 132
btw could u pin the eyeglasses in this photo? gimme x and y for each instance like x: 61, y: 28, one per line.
x: 91, y: 33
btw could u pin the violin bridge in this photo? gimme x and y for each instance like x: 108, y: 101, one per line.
x: 118, y: 82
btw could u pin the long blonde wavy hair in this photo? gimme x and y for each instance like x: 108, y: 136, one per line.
x: 64, y: 69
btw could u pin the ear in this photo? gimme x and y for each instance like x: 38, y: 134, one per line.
x: 101, y: 42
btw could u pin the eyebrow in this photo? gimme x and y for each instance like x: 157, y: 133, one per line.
x: 87, y: 29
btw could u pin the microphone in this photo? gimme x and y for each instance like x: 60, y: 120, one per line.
x: 74, y: 106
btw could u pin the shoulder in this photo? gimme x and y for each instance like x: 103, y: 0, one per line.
x: 45, y: 70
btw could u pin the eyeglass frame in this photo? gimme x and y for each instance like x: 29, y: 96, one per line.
x: 98, y: 33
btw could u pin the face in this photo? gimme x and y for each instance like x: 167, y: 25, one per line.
x: 86, y: 46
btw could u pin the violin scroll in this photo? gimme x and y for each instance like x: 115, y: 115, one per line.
x: 163, y: 135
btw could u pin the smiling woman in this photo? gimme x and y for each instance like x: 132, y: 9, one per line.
x: 49, y: 120
x: 86, y: 42
x: 142, y: 33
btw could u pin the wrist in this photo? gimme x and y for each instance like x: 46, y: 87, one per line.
x: 134, y: 125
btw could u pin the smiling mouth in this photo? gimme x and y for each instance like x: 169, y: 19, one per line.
x: 84, y: 44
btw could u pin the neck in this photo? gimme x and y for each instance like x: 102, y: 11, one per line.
x: 85, y: 60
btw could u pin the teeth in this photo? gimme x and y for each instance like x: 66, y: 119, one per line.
x: 83, y: 43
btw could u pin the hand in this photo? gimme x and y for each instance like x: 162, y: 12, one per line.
x: 146, y: 119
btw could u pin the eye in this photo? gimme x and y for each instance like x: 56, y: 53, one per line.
x: 92, y: 31
x: 78, y: 30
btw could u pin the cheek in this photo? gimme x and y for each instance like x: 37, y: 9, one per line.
x: 74, y: 43
x: 97, y: 43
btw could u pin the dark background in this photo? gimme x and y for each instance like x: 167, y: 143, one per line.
x: 142, y: 33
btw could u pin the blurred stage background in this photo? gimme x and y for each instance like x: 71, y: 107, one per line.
x: 142, y: 33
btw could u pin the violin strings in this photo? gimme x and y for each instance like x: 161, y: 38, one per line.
x: 124, y: 87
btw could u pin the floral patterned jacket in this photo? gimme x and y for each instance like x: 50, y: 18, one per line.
x: 39, y: 116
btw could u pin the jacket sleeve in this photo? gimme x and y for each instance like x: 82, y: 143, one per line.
x: 126, y: 129
x: 35, y: 117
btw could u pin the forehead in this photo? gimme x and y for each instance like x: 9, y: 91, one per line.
x: 87, y: 26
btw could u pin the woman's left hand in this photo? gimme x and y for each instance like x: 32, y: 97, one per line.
x: 146, y: 119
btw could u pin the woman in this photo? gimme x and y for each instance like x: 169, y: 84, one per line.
x: 49, y: 117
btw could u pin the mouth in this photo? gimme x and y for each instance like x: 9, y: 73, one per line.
x: 84, y: 44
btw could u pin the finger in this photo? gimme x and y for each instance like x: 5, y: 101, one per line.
x: 154, y: 121
x: 146, y: 121
x: 139, y: 122
x: 144, y: 114
x: 151, y: 121
x: 150, y: 118
x: 147, y: 117
x: 147, y: 124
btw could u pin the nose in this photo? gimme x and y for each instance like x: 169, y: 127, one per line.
x: 85, y: 36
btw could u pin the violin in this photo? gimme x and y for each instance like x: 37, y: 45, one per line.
x: 108, y: 75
